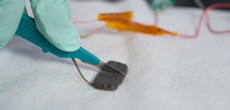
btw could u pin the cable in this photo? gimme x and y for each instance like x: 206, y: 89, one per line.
x: 156, y: 19
x: 212, y: 30
x: 205, y: 14
x: 88, y: 21
x: 198, y: 29
x: 201, y: 5
x: 93, y: 32
x: 79, y: 71
x: 90, y: 33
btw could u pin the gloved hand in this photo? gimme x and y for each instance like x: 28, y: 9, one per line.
x: 52, y: 19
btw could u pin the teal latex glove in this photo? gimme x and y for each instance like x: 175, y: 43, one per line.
x: 52, y: 19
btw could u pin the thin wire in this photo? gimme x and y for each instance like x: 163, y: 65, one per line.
x: 205, y: 14
x: 197, y: 32
x: 156, y: 19
x: 94, y: 32
x: 90, y: 33
x: 201, y: 5
x: 212, y: 30
x: 88, y: 21
x: 79, y: 71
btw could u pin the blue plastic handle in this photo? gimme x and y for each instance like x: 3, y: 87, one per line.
x: 28, y: 30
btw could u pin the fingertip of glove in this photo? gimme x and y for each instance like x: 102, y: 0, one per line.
x: 69, y: 46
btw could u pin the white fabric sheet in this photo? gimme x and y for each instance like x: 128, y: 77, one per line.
x: 165, y: 73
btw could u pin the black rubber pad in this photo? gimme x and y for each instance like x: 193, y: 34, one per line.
x: 109, y: 79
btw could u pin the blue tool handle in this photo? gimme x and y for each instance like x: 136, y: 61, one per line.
x: 28, y: 30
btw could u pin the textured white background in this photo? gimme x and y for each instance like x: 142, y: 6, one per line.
x: 165, y: 73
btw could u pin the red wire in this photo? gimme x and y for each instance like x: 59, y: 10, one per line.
x: 91, y: 21
x: 212, y: 30
x: 197, y: 32
x: 205, y: 14
x: 96, y: 31
x: 156, y: 19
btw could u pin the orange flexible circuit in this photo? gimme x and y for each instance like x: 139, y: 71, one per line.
x: 122, y: 22
x: 115, y: 16
x: 127, y: 25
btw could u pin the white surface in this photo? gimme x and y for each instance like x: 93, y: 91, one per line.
x: 164, y: 73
